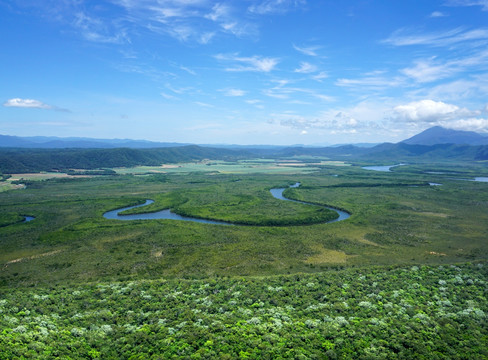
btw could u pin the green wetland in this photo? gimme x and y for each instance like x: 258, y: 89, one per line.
x: 404, y: 277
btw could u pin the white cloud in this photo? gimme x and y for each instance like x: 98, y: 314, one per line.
x: 308, y: 50
x: 374, y: 80
x: 427, y: 71
x: 257, y: 103
x: 26, y: 103
x: 275, y: 6
x: 189, y: 71
x: 167, y: 96
x: 253, y: 63
x: 454, y: 90
x: 483, y: 3
x: 320, y: 76
x: 281, y: 91
x: 306, y: 68
x: 431, y: 69
x: 218, y: 12
x: 96, y: 30
x: 406, y: 37
x: 31, y: 104
x: 234, y: 92
x: 437, y: 14
x: 440, y: 113
x: 425, y: 111
x: 202, y: 104
x: 187, y: 21
x: 360, y: 118
x: 471, y: 124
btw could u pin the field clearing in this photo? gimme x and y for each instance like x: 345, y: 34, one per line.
x: 5, y: 186
x: 264, y: 166
x: 42, y: 176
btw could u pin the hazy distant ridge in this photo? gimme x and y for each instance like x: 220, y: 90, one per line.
x: 44, y: 142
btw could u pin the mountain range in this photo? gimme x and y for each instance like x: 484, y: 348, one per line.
x: 432, y: 136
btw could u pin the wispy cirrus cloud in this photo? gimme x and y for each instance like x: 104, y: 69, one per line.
x: 482, y: 3
x: 284, y: 92
x: 432, y: 69
x: 233, y: 92
x: 31, y: 104
x: 428, y: 70
x: 275, y: 6
x: 474, y: 88
x: 437, y: 14
x: 306, y: 68
x: 376, y: 80
x: 96, y: 30
x: 251, y: 63
x: 307, y: 50
x: 188, y: 20
x: 409, y: 37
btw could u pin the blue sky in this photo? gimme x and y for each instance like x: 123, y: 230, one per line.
x: 243, y: 72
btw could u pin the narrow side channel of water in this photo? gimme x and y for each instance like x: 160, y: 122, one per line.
x: 278, y: 194
x: 163, y: 214
x: 168, y: 215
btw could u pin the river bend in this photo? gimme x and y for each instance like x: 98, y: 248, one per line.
x: 169, y: 215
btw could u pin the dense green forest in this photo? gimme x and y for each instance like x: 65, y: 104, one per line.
x: 403, y: 277
x: 416, y: 312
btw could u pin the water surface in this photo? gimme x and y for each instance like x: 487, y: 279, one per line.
x: 163, y: 214
x: 278, y: 194
x: 384, y: 168
x: 481, y: 179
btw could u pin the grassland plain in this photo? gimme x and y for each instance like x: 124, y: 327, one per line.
x: 398, y: 221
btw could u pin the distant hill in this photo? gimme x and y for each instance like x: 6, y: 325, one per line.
x: 438, y: 152
x: 35, y: 160
x: 45, y: 142
x: 439, y: 135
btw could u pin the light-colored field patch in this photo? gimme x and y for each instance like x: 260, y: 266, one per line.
x: 223, y: 167
x: 368, y: 242
x: 437, y: 253
x: 43, y: 176
x: 334, y: 163
x: 157, y: 253
x: 326, y: 256
x: 434, y: 214
x: 291, y: 164
x: 5, y: 185
x: 50, y: 253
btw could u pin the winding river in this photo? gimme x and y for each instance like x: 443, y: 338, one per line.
x: 169, y: 215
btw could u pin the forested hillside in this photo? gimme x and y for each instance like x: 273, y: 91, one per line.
x: 34, y: 160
